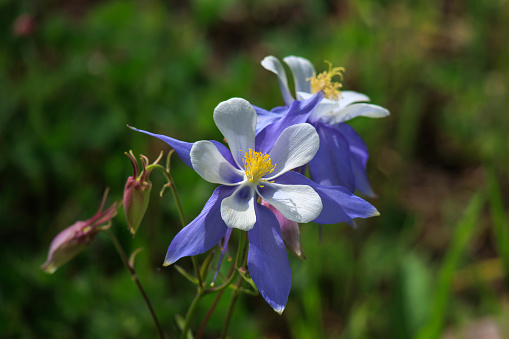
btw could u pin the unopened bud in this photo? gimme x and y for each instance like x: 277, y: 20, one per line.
x: 76, y: 237
x: 24, y: 25
x: 136, y: 193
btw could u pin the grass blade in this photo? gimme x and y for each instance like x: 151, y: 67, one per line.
x: 465, y: 230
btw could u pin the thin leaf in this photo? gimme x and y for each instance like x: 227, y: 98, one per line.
x: 205, y: 266
x: 243, y: 274
x: 180, y: 324
x: 133, y: 255
x: 501, y: 233
x: 465, y: 230
x: 186, y: 275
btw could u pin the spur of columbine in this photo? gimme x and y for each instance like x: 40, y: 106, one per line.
x: 342, y: 156
x: 259, y: 166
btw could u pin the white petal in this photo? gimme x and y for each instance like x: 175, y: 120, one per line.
x: 355, y: 110
x: 273, y: 64
x: 238, y: 210
x: 325, y: 108
x: 299, y: 203
x: 349, y: 97
x: 236, y: 119
x: 295, y: 147
x: 210, y: 164
x: 302, y: 69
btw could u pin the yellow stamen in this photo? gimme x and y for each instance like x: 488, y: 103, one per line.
x: 256, y: 165
x: 323, y: 81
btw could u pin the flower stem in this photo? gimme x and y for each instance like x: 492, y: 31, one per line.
x: 200, y: 290
x: 131, y: 270
x: 190, y: 313
x: 171, y: 184
x: 236, y: 293
x: 240, y: 262
x: 209, y: 313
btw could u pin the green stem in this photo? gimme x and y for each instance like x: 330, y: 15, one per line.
x: 131, y: 270
x: 177, y: 200
x: 232, y: 274
x: 209, y: 313
x: 239, y: 262
x: 171, y: 183
x: 190, y: 313
x: 199, y: 294
x: 241, y: 258
x: 230, y: 308
x: 184, y: 223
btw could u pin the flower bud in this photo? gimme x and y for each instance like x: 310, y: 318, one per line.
x: 136, y: 193
x: 24, y: 25
x: 289, y: 230
x: 76, y: 237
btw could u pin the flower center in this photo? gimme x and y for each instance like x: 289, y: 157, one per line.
x: 256, y: 165
x: 323, y: 81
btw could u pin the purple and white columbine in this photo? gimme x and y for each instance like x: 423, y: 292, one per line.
x: 259, y: 166
x: 342, y: 156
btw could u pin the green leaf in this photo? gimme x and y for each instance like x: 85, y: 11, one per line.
x: 181, y: 323
x: 501, y: 233
x: 133, y: 255
x: 187, y: 275
x: 243, y: 273
x: 204, y: 269
x: 465, y: 230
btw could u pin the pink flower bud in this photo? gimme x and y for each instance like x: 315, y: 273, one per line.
x: 289, y: 230
x: 76, y: 237
x: 24, y: 25
x: 136, y: 193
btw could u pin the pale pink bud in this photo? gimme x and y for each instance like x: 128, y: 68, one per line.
x: 24, y: 25
x: 289, y: 230
x: 75, y: 238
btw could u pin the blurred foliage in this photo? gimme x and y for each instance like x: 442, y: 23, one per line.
x: 74, y: 74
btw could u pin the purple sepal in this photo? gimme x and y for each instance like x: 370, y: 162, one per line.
x: 265, y: 118
x: 331, y: 165
x: 204, y: 232
x: 298, y: 113
x: 358, y: 157
x: 267, y: 260
x: 225, y: 152
x: 339, y: 205
x: 183, y: 149
x: 225, y: 249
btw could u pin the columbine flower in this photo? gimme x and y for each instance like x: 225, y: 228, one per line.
x: 76, y: 237
x: 259, y: 166
x: 342, y: 157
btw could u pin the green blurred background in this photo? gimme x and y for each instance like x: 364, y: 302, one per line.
x: 435, y: 264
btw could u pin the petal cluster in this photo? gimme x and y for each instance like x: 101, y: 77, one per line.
x: 258, y: 188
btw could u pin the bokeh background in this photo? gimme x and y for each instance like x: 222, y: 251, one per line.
x: 73, y: 74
